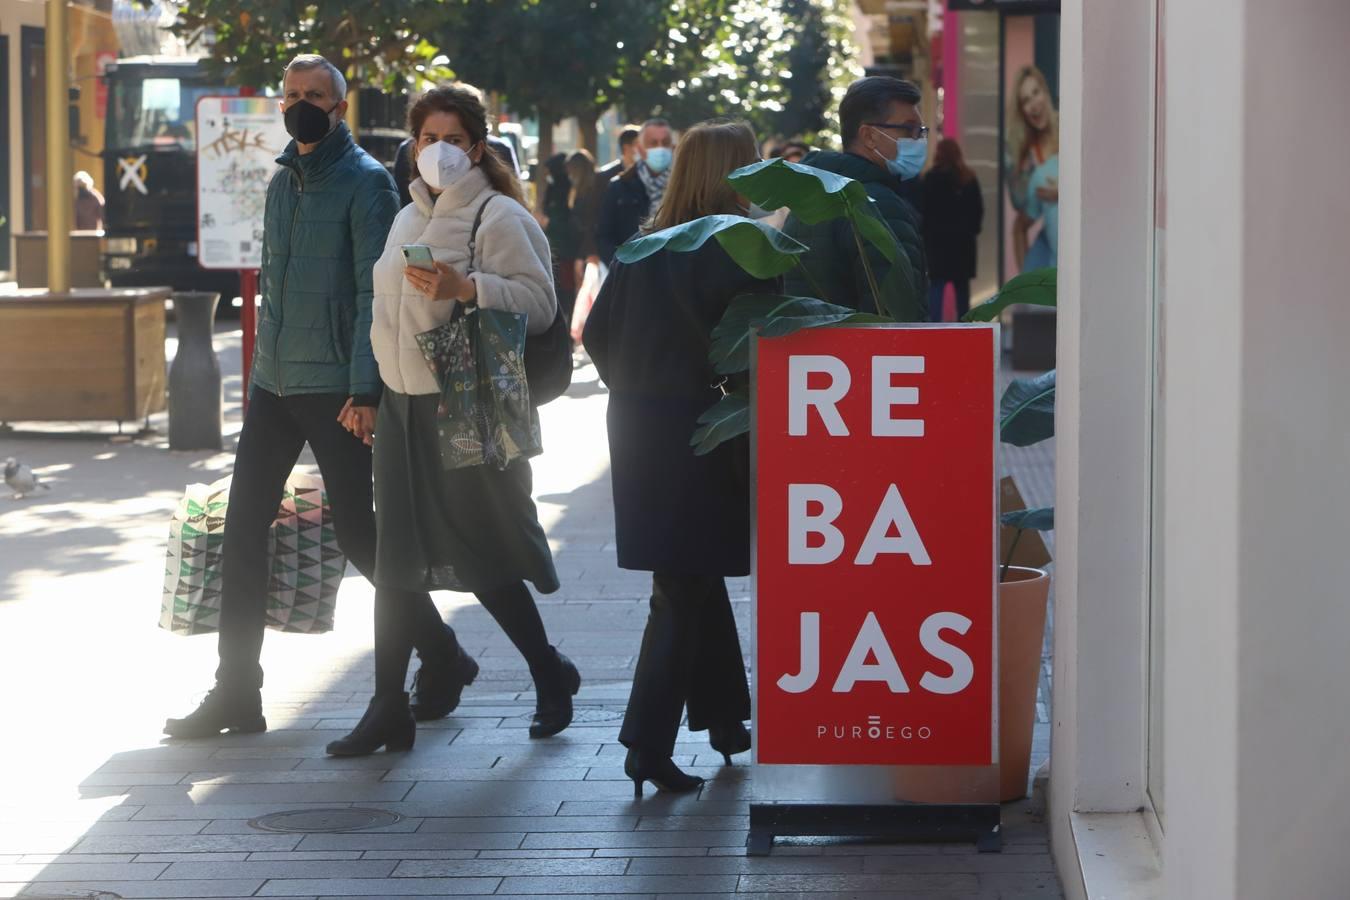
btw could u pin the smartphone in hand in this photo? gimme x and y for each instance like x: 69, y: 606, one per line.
x: 418, y: 256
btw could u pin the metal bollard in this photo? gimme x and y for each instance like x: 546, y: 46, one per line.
x: 196, y: 398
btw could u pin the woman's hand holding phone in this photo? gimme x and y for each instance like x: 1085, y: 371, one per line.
x: 445, y: 283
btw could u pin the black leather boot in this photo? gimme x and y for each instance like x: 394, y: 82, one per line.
x: 729, y: 739
x: 438, y: 684
x: 660, y: 771
x: 553, y: 698
x: 224, y: 709
x: 388, y: 723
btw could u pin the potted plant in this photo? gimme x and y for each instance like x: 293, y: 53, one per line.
x: 1027, y: 408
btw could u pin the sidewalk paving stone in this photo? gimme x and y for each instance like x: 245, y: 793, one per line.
x: 484, y: 810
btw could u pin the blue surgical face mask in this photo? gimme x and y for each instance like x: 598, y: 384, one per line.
x: 910, y: 156
x: 659, y: 158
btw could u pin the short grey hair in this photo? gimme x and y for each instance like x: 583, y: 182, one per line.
x: 306, y: 61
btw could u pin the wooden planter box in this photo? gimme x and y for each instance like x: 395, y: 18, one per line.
x: 89, y: 354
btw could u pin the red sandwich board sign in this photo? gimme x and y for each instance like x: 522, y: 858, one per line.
x: 875, y: 546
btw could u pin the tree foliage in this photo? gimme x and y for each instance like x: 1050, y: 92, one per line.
x: 377, y: 43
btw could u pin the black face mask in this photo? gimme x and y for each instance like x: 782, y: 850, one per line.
x: 307, y: 123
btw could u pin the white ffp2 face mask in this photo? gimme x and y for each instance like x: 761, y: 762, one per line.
x: 442, y: 164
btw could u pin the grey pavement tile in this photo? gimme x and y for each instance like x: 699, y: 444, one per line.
x: 177, y: 812
x: 655, y: 805
x: 378, y: 887
x: 56, y: 812
x: 218, y: 856
x: 45, y: 859
x: 475, y: 805
x: 487, y: 791
x: 459, y: 868
x: 242, y: 826
x: 620, y: 884
x: 1007, y: 882
x: 363, y: 868
x: 554, y: 853
x: 233, y: 794
x: 638, y: 852
x: 521, y: 773
x: 448, y: 841
x: 309, y: 776
x: 779, y: 849
x: 925, y: 886
x: 679, y: 823
x: 302, y: 855
x: 188, y: 843
x: 979, y: 863
x: 530, y: 823
x: 597, y: 839
x: 184, y: 766
x: 130, y: 779
x: 747, y: 865
x: 428, y: 854
x: 137, y: 890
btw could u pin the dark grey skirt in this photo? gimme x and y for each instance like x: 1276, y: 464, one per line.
x: 471, y: 529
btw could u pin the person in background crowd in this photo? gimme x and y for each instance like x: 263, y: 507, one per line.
x: 314, y: 377
x: 403, y: 164
x: 1031, y: 159
x: 794, y: 151
x: 585, y: 208
x: 885, y: 145
x: 628, y: 157
x: 953, y: 212
x: 88, y: 204
x: 685, y: 518
x: 468, y: 529
x: 631, y: 197
x: 560, y: 229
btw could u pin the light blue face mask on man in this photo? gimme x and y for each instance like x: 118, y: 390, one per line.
x: 658, y: 159
x: 909, y: 159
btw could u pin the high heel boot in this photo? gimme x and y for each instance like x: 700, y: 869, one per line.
x: 660, y: 771
x: 553, y: 698
x: 387, y: 723
x: 729, y: 739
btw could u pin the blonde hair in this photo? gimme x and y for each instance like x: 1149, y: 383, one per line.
x: 1021, y: 134
x: 707, y: 154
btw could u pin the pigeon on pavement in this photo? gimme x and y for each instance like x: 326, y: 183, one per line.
x: 21, y: 479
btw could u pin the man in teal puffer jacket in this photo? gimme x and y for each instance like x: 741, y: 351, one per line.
x: 314, y: 378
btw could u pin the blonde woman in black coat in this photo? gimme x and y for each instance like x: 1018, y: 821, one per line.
x: 682, y: 517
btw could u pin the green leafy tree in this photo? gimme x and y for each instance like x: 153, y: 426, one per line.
x: 378, y: 44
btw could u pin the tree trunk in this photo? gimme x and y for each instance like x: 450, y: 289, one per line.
x: 586, y: 125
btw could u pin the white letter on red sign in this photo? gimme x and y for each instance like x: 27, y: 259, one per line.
x: 801, y: 397
x: 872, y: 640
x: 801, y: 524
x: 963, y: 670
x: 805, y: 679
x: 886, y: 395
x: 892, y: 512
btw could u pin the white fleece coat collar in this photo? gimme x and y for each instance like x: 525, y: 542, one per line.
x: 513, y: 271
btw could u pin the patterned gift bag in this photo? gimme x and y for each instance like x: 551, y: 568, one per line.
x: 485, y: 416
x: 305, y: 565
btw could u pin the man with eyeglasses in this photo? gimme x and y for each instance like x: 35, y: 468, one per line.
x: 885, y: 148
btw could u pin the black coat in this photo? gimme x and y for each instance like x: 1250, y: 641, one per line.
x: 674, y: 512
x: 952, y: 216
x: 622, y: 211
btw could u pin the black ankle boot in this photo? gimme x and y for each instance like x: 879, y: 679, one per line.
x: 224, y: 709
x: 553, y: 698
x: 660, y: 771
x: 387, y: 723
x: 438, y: 684
x: 729, y: 740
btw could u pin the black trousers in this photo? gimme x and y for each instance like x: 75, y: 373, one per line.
x: 690, y: 655
x: 275, y: 430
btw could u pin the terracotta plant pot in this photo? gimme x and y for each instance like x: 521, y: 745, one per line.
x: 1021, y: 614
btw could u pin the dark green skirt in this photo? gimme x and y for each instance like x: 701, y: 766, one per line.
x: 471, y: 529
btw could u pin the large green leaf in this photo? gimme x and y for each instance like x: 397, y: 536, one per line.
x: 731, y: 338
x: 758, y: 248
x: 1039, y: 519
x: 1038, y: 287
x: 815, y: 196
x: 785, y: 325
x: 1027, y: 411
x: 726, y: 419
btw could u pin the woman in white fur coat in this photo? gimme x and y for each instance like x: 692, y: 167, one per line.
x: 471, y: 529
